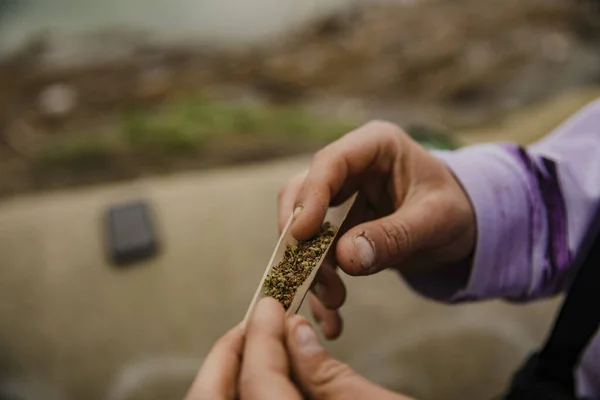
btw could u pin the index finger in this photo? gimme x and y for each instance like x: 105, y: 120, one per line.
x: 336, y: 170
x: 265, y: 370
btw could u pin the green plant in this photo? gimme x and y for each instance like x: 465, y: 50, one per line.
x: 85, y: 151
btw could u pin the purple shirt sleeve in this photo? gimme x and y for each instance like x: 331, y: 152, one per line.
x: 533, y: 208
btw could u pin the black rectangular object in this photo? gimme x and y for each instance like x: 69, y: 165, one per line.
x: 130, y: 233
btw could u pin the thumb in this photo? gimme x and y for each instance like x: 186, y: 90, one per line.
x: 319, y: 375
x: 370, y: 247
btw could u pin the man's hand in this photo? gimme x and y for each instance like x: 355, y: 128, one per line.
x: 411, y: 212
x: 275, y: 350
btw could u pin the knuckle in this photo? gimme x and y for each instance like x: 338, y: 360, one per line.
x: 322, y: 156
x: 390, y: 136
x: 385, y: 127
x: 396, y: 237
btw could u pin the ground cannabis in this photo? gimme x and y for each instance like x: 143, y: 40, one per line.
x: 298, y: 262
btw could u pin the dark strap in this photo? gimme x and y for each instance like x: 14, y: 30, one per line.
x: 552, y: 370
x: 579, y: 316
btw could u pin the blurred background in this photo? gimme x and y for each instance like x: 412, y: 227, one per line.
x: 203, y: 108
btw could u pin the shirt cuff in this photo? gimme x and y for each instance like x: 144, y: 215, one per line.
x: 500, y: 267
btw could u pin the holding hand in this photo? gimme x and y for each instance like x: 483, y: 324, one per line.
x: 411, y: 213
x: 260, y: 366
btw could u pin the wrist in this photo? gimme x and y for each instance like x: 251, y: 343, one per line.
x: 498, y: 193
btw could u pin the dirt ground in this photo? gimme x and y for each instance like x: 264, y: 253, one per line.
x: 448, y: 65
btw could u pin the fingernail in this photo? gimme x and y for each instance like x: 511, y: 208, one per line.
x: 297, y: 211
x: 307, y: 339
x: 319, y: 290
x: 365, y: 251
